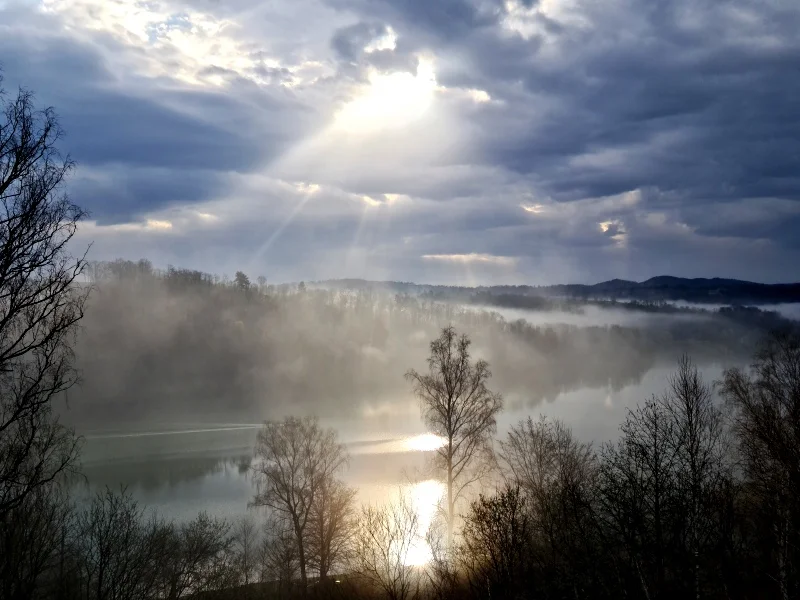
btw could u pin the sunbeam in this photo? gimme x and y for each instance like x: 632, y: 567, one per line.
x: 259, y: 253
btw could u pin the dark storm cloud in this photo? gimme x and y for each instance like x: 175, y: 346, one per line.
x: 721, y: 78
x: 445, y: 20
x: 125, y: 193
x: 728, y: 104
x: 349, y: 42
x: 77, y: 81
x: 154, y: 136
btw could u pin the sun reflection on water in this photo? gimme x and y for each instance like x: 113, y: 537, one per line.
x: 425, y: 497
x: 427, y: 442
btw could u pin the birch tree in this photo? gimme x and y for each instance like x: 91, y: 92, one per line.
x: 458, y: 406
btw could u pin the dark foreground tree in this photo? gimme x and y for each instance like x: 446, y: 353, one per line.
x: 278, y: 556
x: 496, y: 545
x: 457, y: 405
x: 698, y: 446
x: 40, y: 303
x: 665, y: 493
x: 766, y: 404
x: 295, y: 461
x: 245, y: 549
x: 557, y: 474
x: 33, y: 546
x: 331, y: 526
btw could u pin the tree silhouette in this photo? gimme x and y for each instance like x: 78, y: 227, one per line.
x: 40, y: 298
x: 457, y: 405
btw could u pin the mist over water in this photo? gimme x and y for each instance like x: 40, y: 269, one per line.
x: 181, y: 469
x: 191, y: 367
x: 593, y: 316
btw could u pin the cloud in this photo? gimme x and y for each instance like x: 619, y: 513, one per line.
x: 584, y: 141
x: 472, y: 258
x: 353, y: 41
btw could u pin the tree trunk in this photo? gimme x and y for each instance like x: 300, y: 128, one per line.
x: 301, y: 552
x: 782, y: 552
x: 642, y: 581
x: 450, y: 507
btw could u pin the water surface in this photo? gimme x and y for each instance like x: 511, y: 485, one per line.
x: 180, y: 469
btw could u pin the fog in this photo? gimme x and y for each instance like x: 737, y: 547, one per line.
x: 180, y: 368
x: 595, y: 316
x: 789, y: 310
x: 177, y: 347
x: 188, y: 468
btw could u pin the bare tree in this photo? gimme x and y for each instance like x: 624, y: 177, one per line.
x: 278, y: 556
x: 331, y: 527
x: 40, y: 303
x: 544, y: 455
x: 443, y: 576
x: 120, y: 554
x: 698, y: 447
x: 496, y: 544
x: 198, y: 557
x: 294, y: 461
x: 32, y: 549
x: 383, y: 543
x: 557, y: 474
x: 245, y: 548
x: 457, y: 405
x: 766, y: 404
x: 636, y: 493
x: 663, y: 487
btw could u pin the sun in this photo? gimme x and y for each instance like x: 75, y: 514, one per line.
x: 389, y: 101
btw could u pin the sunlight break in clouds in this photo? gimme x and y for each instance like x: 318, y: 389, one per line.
x: 472, y: 258
x: 616, y: 230
x: 390, y: 101
x: 388, y: 41
x: 536, y: 209
x: 198, y: 40
x: 149, y: 225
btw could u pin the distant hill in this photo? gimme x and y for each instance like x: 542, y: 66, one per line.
x: 656, y: 289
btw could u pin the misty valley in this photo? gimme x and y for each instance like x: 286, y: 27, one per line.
x: 171, y: 410
x: 222, y: 438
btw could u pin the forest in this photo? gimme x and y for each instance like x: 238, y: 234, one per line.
x: 698, y: 497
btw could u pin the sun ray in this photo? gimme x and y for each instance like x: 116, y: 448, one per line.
x: 357, y: 236
x: 259, y: 253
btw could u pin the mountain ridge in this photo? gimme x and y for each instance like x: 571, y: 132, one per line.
x: 715, y: 290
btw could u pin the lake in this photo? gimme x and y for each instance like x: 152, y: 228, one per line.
x: 180, y: 469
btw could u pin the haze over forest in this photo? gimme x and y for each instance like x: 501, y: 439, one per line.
x: 180, y: 344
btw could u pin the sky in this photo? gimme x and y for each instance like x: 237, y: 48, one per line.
x: 441, y: 141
